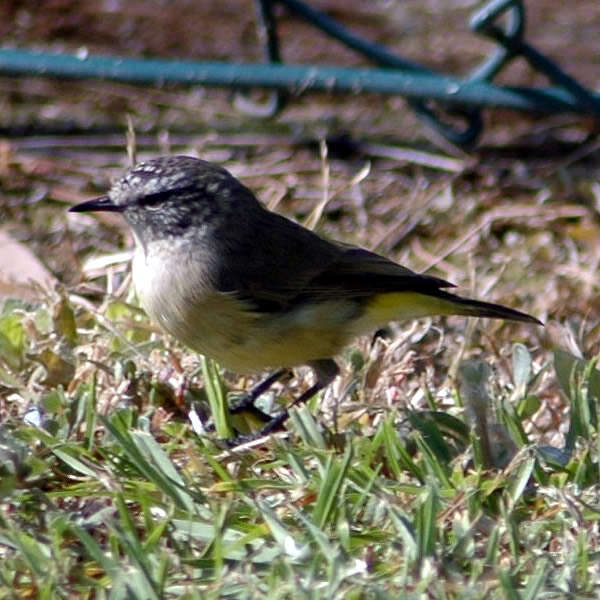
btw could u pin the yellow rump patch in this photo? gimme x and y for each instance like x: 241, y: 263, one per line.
x: 395, y: 306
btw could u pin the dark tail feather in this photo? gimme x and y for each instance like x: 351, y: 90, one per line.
x: 476, y: 308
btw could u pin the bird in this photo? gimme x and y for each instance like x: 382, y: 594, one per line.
x: 253, y: 289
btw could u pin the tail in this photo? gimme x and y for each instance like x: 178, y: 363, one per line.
x: 477, y: 308
x: 397, y: 306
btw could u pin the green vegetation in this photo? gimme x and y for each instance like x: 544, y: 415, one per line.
x: 104, y: 495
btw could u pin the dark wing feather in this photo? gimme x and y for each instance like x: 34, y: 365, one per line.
x: 285, y: 264
x: 361, y: 272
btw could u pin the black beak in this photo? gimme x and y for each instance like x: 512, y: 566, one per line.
x: 103, y: 203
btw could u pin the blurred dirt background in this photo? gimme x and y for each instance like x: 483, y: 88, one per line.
x: 515, y: 221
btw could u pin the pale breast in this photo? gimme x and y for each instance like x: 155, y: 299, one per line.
x: 176, y: 294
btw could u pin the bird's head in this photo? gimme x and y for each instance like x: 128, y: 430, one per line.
x: 171, y: 196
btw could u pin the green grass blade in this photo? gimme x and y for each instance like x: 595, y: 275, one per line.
x: 217, y: 399
x: 330, y: 490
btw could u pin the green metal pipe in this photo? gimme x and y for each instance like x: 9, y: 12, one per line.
x: 293, y: 78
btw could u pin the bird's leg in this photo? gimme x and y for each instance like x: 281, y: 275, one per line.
x: 326, y: 370
x: 246, y: 402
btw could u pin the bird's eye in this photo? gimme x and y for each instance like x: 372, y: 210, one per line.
x: 153, y: 200
x: 174, y: 194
